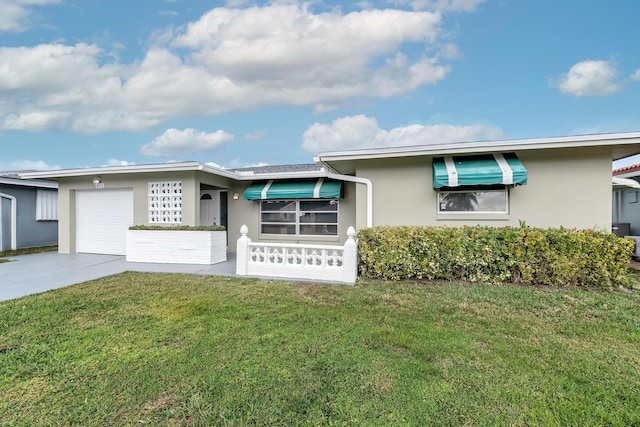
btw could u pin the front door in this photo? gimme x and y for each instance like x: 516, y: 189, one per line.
x: 213, y: 207
x: 223, y: 208
x: 208, y: 214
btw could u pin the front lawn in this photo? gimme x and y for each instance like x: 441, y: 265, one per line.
x: 27, y: 251
x: 151, y: 349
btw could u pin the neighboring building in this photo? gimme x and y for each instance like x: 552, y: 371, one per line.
x: 548, y: 182
x: 28, y: 212
x: 626, y: 203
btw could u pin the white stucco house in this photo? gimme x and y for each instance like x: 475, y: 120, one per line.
x: 545, y: 182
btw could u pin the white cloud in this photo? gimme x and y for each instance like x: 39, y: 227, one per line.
x: 589, y: 78
x: 397, y: 76
x: 46, y: 69
x: 360, y: 132
x: 116, y: 162
x: 236, y: 3
x: 285, y: 54
x: 238, y: 164
x: 16, y: 13
x: 255, y: 136
x: 636, y: 76
x: 230, y: 59
x: 35, y: 120
x: 23, y: 165
x: 55, y: 86
x: 175, y: 142
x: 215, y: 165
x: 440, y: 5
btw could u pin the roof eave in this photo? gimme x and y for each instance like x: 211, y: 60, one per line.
x: 282, y: 175
x: 28, y: 183
x: 485, y: 147
x: 111, y: 170
x: 170, y: 167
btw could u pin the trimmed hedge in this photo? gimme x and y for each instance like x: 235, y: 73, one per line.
x: 529, y: 256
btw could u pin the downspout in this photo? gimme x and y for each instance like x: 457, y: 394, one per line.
x: 359, y: 180
x: 14, y: 220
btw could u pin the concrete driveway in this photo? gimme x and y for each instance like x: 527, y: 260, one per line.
x: 35, y: 273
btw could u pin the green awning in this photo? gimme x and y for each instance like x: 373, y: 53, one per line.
x: 490, y: 169
x: 320, y: 188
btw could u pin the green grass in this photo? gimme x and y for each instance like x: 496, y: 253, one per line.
x: 634, y: 278
x: 150, y: 349
x: 27, y: 251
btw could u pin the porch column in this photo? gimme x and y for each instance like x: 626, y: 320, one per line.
x: 242, y: 252
x: 350, y: 258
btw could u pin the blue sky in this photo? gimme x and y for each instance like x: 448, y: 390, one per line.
x: 240, y: 83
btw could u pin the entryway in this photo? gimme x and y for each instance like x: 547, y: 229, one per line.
x: 213, y: 207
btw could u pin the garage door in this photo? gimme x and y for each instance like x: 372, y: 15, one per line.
x: 102, y: 220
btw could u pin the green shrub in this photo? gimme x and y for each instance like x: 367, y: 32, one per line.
x: 530, y: 256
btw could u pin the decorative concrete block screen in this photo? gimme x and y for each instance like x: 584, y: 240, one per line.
x: 298, y: 261
x: 165, y: 202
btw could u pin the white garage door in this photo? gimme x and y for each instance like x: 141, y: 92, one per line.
x: 102, y: 220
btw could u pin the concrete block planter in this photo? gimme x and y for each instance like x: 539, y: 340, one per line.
x: 173, y: 246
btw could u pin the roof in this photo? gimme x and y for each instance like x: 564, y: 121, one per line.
x: 15, y: 173
x: 622, y: 144
x: 306, y: 167
x: 250, y: 173
x: 627, y: 171
x: 11, y: 179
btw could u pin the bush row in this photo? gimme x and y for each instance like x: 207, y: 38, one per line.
x: 530, y: 256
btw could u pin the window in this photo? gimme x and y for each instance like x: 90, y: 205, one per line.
x: 473, y: 200
x: 46, y: 205
x: 299, y: 217
x: 165, y: 202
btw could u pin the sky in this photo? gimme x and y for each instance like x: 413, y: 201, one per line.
x: 87, y: 83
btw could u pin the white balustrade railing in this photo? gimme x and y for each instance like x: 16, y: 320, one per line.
x: 298, y: 261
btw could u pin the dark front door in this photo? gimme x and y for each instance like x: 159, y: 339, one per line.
x: 223, y: 211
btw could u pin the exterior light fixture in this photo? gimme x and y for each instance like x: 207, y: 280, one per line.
x: 97, y: 182
x: 236, y: 196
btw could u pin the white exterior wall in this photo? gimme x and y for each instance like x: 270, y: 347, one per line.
x: 138, y: 182
x: 247, y: 212
x: 566, y: 187
x: 176, y: 247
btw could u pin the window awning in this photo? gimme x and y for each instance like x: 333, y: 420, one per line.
x: 623, y: 183
x: 320, y: 188
x: 490, y: 169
